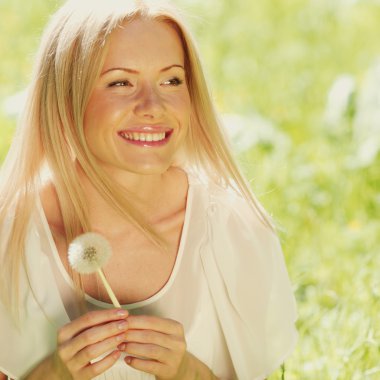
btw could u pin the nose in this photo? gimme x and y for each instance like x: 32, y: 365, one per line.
x: 149, y: 103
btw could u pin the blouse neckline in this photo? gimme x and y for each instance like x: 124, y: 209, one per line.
x: 159, y: 293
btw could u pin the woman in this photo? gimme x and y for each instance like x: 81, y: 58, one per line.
x: 120, y: 137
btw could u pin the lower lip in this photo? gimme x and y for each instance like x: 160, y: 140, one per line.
x: 149, y: 144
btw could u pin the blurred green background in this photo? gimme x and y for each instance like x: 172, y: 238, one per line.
x: 298, y: 84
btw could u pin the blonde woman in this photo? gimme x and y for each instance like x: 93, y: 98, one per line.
x: 119, y: 136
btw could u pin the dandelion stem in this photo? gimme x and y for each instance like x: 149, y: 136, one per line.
x: 108, y: 288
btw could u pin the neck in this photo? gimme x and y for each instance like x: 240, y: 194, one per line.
x: 154, y: 196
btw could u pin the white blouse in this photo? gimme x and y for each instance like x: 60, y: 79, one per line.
x: 229, y: 288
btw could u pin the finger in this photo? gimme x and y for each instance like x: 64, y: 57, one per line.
x: 150, y: 337
x: 94, y: 351
x: 95, y: 369
x: 91, y: 336
x: 148, y: 322
x: 90, y: 319
x: 147, y: 351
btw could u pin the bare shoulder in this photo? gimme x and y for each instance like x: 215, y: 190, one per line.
x: 3, y: 377
x: 50, y: 205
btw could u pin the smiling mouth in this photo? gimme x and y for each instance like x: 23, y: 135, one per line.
x: 145, y: 138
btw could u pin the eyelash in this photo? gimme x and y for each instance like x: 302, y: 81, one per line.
x: 175, y: 81
x: 119, y: 83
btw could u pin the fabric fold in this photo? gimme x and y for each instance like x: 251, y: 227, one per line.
x: 250, y: 287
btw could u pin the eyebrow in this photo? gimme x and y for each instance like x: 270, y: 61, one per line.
x: 132, y: 71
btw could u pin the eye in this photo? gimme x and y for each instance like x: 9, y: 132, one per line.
x: 173, y: 82
x: 120, y: 83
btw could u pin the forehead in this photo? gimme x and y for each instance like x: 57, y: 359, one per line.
x: 141, y: 43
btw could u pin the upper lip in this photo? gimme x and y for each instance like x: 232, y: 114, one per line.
x: 148, y: 129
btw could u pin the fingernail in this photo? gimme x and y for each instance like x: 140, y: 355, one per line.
x: 128, y: 360
x: 122, y: 325
x: 121, y: 347
x: 122, y: 313
x: 119, y: 338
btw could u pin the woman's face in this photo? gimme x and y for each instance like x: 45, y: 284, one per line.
x: 138, y: 113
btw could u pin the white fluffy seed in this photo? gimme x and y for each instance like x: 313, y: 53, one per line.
x: 89, y: 252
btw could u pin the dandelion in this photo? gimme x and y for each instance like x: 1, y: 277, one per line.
x: 88, y: 253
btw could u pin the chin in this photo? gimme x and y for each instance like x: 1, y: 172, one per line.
x: 148, y: 169
x: 135, y: 166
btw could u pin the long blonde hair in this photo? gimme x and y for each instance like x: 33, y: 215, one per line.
x: 51, y: 133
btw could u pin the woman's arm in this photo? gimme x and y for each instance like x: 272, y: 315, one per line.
x: 44, y: 368
x: 194, y: 369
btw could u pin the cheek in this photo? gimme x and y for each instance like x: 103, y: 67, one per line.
x: 102, y: 114
x: 91, y: 114
x: 182, y: 107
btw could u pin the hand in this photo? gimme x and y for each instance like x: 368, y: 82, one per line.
x: 85, y: 339
x: 159, y: 345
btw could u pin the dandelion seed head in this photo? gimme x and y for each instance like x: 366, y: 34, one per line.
x: 89, y: 252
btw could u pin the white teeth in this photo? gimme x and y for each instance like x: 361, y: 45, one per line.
x: 144, y: 136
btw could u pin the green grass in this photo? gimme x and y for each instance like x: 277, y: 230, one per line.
x: 279, y: 59
x: 331, y: 239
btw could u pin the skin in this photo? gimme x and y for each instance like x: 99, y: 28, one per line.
x: 143, y: 82
x: 147, y: 97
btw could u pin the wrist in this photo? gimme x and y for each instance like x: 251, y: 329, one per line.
x: 193, y: 369
x: 49, y: 366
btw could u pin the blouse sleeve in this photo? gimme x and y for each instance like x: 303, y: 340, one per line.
x: 27, y: 342
x: 249, y: 284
